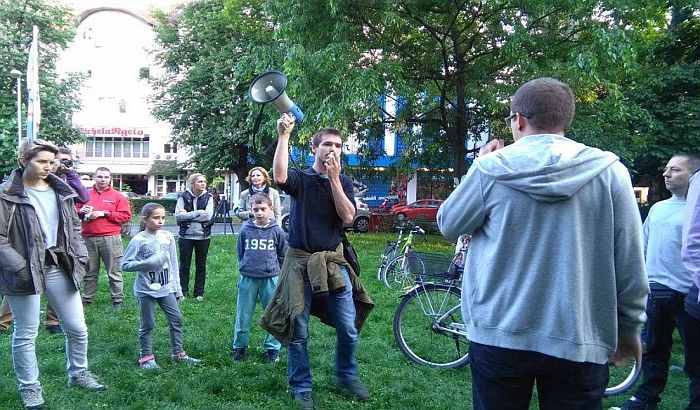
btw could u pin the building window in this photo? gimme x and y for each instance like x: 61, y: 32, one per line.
x: 117, y: 147
x: 170, y: 148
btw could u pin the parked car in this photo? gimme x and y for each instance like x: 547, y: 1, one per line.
x: 170, y: 195
x: 422, y: 208
x: 359, y: 224
x: 131, y: 195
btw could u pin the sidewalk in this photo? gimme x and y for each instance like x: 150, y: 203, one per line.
x: 216, y: 229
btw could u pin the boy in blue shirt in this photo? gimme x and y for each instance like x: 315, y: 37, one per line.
x: 261, y: 247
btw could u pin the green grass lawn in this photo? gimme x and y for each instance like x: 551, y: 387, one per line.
x: 394, y: 382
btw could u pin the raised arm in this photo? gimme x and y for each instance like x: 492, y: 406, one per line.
x: 280, y: 164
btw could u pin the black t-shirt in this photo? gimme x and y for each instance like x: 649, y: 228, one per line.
x: 314, y: 225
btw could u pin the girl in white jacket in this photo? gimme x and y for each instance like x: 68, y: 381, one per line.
x: 151, y: 253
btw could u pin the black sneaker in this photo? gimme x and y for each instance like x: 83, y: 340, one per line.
x: 117, y: 305
x: 636, y: 404
x: 354, y: 389
x: 238, y: 354
x: 54, y: 329
x: 272, y: 356
x: 304, y: 400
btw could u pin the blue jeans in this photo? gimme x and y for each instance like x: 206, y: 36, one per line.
x: 65, y: 298
x: 249, y: 289
x: 665, y: 311
x: 342, y: 310
x: 503, y: 379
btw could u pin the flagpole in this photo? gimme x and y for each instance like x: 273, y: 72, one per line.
x: 33, y: 99
x: 18, y: 75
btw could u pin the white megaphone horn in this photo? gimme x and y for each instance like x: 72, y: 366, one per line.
x: 270, y: 87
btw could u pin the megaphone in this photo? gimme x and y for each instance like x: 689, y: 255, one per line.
x: 270, y: 87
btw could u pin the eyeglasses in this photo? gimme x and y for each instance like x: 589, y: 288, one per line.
x: 509, y: 118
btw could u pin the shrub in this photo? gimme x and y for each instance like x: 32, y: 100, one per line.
x: 137, y: 204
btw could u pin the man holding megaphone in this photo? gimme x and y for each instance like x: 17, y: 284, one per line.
x: 315, y: 269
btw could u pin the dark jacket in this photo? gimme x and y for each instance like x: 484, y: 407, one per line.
x: 22, y: 247
x: 288, y: 301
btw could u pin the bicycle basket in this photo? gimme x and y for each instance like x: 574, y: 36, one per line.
x: 430, y: 266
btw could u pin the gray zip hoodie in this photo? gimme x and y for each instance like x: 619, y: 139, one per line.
x: 555, y: 263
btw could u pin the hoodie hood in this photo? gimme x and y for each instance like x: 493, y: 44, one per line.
x: 251, y: 223
x: 547, y: 167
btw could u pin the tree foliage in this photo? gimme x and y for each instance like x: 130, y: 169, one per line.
x: 59, y: 96
x: 211, y: 52
x: 668, y: 88
x: 451, y: 65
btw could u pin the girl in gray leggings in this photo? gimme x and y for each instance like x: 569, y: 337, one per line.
x: 152, y: 255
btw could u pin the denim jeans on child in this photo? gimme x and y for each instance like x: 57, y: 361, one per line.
x: 147, y: 306
x: 249, y: 289
x: 342, y: 310
x: 504, y: 378
x: 65, y: 298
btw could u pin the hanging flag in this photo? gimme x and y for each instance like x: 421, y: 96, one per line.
x: 33, y: 105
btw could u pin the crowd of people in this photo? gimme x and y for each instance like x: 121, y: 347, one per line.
x: 559, y: 281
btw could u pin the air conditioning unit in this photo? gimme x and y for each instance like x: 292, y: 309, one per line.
x: 157, y: 156
x: 168, y: 156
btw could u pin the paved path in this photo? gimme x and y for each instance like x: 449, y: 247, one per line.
x: 216, y: 229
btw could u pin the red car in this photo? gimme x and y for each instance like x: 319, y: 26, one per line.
x: 422, y: 208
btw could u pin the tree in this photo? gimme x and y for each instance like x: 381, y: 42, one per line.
x: 59, y: 96
x: 451, y: 66
x: 668, y: 88
x: 211, y: 52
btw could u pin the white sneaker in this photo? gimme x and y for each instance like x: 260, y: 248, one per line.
x: 32, y: 398
x: 87, y: 381
x: 184, y: 358
x: 150, y: 365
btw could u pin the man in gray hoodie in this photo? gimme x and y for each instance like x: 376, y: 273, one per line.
x: 554, y: 284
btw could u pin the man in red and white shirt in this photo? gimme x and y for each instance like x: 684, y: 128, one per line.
x: 102, y: 217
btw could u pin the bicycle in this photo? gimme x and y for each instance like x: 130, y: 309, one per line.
x: 396, y: 248
x: 428, y: 324
x: 432, y: 303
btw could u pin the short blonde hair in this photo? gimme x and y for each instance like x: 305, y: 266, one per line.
x: 28, y: 149
x: 193, y: 177
x: 262, y: 170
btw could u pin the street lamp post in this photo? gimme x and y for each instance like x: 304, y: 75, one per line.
x: 18, y: 75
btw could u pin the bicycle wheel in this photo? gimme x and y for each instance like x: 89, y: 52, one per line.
x: 401, y: 272
x: 429, y: 329
x: 622, y: 378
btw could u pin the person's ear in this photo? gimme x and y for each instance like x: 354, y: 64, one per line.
x: 22, y: 162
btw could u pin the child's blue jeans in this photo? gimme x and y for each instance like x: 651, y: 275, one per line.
x: 249, y: 290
